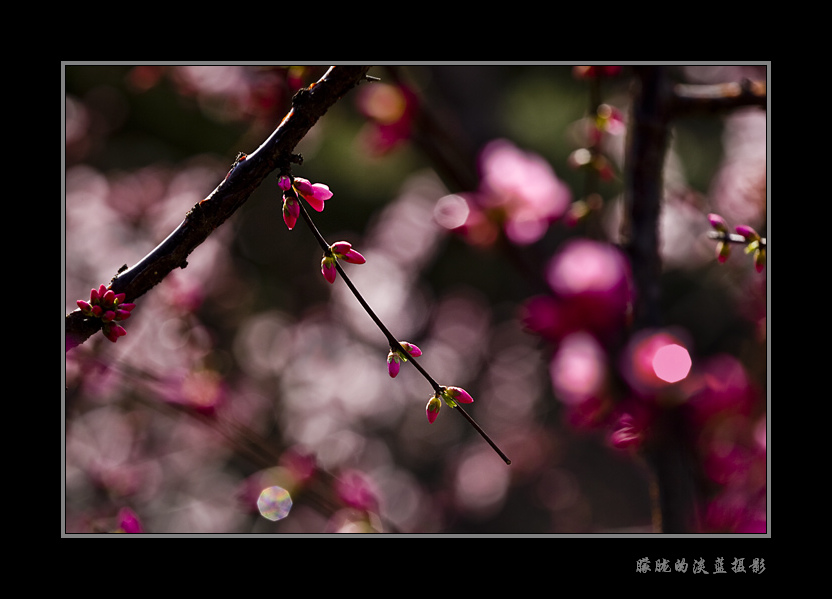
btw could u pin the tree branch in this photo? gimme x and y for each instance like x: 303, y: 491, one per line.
x: 711, y: 99
x: 308, y: 105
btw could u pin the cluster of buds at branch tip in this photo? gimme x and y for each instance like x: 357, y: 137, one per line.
x: 315, y: 195
x: 339, y: 250
x: 452, y: 396
x: 396, y: 357
x: 108, y: 307
x: 754, y: 244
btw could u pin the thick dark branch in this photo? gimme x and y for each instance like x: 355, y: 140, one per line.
x: 308, y: 106
x: 646, y: 152
x: 691, y: 100
x: 670, y: 452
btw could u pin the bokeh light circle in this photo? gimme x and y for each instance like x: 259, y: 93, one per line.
x: 671, y: 363
x: 274, y: 503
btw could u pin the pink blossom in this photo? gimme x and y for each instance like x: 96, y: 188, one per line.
x: 314, y: 193
x: 128, y: 521
x: 343, y: 249
x: 520, y: 189
x: 591, y: 281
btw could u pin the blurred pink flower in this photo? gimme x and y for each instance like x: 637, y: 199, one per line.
x: 578, y: 369
x: 128, y: 522
x: 520, y: 191
x: 590, y: 71
x: 390, y: 110
x: 724, y: 389
x: 593, y: 278
x: 355, y: 490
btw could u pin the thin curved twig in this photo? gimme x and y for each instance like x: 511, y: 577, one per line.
x: 308, y: 106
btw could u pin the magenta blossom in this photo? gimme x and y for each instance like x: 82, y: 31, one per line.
x: 128, y: 521
x: 339, y: 250
x: 110, y: 308
x: 314, y: 193
x: 396, y: 357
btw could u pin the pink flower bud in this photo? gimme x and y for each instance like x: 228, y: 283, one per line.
x: 328, y: 268
x: 129, y: 522
x: 113, y: 332
x: 393, y: 364
x: 314, y: 193
x: 285, y: 183
x: 718, y: 223
x: 432, y: 409
x: 120, y: 298
x: 749, y: 233
x: 94, y: 296
x: 291, y: 211
x: 396, y: 356
x: 108, y: 316
x: 454, y: 395
x: 108, y: 298
x: 122, y: 314
x: 343, y: 249
x: 127, y: 306
x: 723, y: 250
x: 760, y: 259
x: 411, y: 349
x: 85, y: 307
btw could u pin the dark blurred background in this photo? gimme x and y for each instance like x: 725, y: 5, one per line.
x: 247, y: 369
